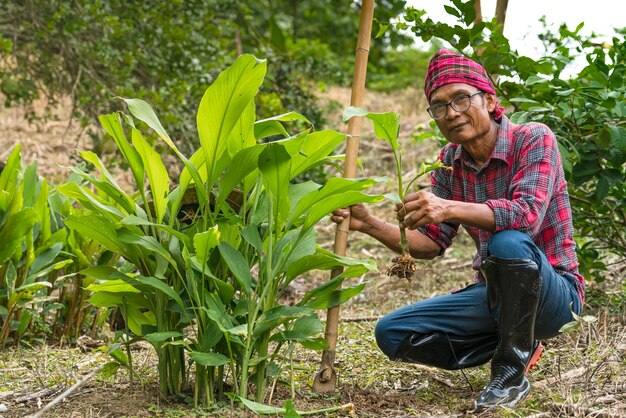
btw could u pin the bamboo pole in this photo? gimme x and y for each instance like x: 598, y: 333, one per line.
x: 326, y: 378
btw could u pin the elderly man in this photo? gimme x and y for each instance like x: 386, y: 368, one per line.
x: 506, y: 187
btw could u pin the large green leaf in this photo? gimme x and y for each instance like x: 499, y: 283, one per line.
x: 331, y: 203
x: 113, y: 286
x: 45, y: 256
x: 247, y: 161
x: 333, y: 298
x: 24, y: 322
x: 241, y: 138
x: 156, y: 173
x: 8, y: 286
x: 259, y: 408
x: 297, y: 191
x: 294, y: 246
x: 273, y: 126
x: 114, y: 281
x: 8, y: 177
x: 112, y: 124
x: 325, y: 260
x: 29, y: 185
x: 146, y: 242
x: 314, y: 149
x: 42, y: 208
x: 108, y: 186
x: 90, y: 200
x: 222, y: 106
x: 113, y: 295
x: 228, y: 232
x: 333, y: 187
x: 98, y: 228
x: 204, y: 242
x: 137, y: 221
x: 14, y: 230
x: 208, y: 359
x: 46, y: 271
x: 386, y: 125
x: 330, y: 294
x: 279, y: 315
x: 242, y: 135
x: 237, y: 265
x: 275, y: 166
x: 33, y: 287
x: 142, y: 111
x: 161, y: 286
x: 251, y: 234
x: 304, y: 328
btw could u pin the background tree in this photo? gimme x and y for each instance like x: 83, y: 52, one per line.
x: 168, y: 52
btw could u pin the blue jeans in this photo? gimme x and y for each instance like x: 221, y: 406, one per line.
x: 466, y: 312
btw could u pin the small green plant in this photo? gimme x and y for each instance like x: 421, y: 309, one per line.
x: 41, y: 292
x: 387, y: 128
x: 581, y: 322
x: 33, y: 254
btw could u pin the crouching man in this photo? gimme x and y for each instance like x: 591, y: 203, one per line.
x: 506, y: 187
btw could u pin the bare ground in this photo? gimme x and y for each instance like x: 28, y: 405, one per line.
x: 582, y: 374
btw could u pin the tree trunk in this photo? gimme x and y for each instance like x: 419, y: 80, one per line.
x: 501, y: 7
x: 479, y: 12
x: 238, y: 43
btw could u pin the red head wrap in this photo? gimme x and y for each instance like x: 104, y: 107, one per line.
x: 449, y: 67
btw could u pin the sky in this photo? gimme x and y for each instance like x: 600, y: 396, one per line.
x: 522, y: 18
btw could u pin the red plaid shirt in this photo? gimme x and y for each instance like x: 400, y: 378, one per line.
x: 523, y: 183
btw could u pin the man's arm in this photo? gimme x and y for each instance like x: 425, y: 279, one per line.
x: 420, y: 246
x: 424, y: 208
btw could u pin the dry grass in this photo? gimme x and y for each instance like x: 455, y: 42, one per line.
x: 582, y: 374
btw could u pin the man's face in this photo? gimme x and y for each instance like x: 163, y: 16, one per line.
x: 467, y: 126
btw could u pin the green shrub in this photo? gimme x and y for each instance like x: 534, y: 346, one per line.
x: 41, y: 293
x: 206, y: 285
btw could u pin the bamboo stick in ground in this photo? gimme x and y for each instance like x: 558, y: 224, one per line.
x: 326, y: 378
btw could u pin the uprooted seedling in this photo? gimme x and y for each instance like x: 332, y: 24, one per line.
x: 387, y: 128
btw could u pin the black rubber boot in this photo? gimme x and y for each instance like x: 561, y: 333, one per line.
x: 514, y: 289
x: 447, y: 351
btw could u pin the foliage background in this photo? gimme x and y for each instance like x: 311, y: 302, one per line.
x: 168, y: 52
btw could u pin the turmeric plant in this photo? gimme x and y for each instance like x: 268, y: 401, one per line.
x: 387, y: 128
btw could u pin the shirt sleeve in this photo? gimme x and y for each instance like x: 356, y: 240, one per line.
x: 440, y: 181
x: 534, y: 174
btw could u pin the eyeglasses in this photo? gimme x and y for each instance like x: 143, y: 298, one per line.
x: 459, y: 103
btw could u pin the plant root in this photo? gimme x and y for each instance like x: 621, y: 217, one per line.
x: 403, y: 267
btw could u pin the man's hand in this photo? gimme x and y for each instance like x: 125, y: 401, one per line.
x: 421, y: 208
x: 359, y: 217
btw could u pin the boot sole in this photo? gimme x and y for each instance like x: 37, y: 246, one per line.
x: 523, y: 390
x: 534, y: 358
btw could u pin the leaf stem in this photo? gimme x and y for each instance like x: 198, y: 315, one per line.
x: 404, y: 242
